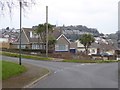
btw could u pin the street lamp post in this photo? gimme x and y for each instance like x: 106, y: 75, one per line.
x: 20, y: 32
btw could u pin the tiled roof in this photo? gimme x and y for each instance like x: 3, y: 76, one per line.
x: 27, y: 32
x: 104, y: 46
x: 56, y: 33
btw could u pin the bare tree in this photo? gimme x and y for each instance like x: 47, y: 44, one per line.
x: 9, y: 5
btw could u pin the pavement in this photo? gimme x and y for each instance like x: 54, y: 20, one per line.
x: 75, y: 75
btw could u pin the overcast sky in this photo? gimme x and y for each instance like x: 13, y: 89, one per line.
x: 99, y: 14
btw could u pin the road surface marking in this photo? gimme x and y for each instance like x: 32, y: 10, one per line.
x: 59, y: 70
x: 82, y: 64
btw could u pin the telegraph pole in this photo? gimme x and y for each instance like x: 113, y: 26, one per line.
x: 119, y: 24
x: 46, y: 31
x: 20, y: 32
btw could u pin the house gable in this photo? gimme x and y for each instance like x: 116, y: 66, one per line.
x: 62, y: 39
x: 62, y: 44
x: 24, y: 38
x: 32, y: 38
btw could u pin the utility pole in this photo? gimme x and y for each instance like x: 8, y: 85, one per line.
x: 46, y: 31
x: 20, y: 32
x: 119, y: 24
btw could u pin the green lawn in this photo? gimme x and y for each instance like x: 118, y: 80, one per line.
x: 44, y: 58
x: 90, y: 61
x: 25, y: 56
x: 0, y: 70
x: 10, y: 69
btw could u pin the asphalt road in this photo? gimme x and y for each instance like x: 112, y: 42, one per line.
x: 75, y: 75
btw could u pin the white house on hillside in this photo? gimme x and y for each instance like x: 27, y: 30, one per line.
x: 97, y: 48
x: 80, y: 48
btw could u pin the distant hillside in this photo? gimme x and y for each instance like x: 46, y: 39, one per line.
x: 114, y: 37
x: 74, y: 32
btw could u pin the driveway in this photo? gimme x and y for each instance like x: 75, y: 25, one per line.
x: 75, y: 75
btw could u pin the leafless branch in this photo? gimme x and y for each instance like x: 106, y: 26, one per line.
x: 9, y: 5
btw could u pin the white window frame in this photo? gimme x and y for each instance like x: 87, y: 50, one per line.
x: 58, y: 47
x: 22, y: 46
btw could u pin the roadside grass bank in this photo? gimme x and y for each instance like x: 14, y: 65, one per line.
x: 52, y: 59
x: 10, y: 69
x: 0, y: 71
x: 26, y: 79
x: 25, y: 56
x: 91, y: 61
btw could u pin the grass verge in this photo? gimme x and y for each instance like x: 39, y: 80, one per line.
x: 44, y: 58
x: 26, y: 79
x: 10, y: 69
x: 91, y: 61
x: 0, y: 70
x: 24, y: 56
